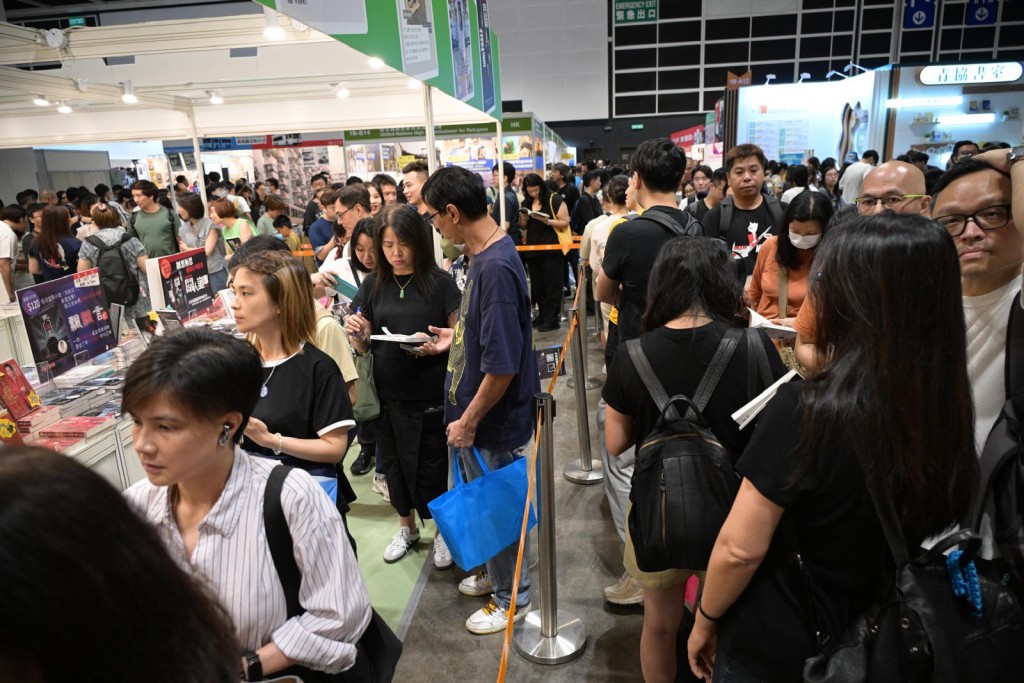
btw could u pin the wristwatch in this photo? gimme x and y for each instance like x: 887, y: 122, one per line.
x: 253, y: 665
x: 1016, y: 154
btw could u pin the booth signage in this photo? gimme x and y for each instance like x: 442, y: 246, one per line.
x: 181, y: 281
x: 981, y: 12
x: 67, y: 321
x: 918, y: 14
x: 966, y: 74
x: 635, y: 11
x: 418, y: 132
x: 520, y: 123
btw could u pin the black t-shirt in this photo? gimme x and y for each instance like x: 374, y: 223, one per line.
x: 541, y: 233
x: 768, y: 629
x: 679, y: 359
x: 511, y: 215
x: 629, y: 258
x: 570, y: 194
x: 311, y: 215
x: 587, y: 209
x: 397, y: 374
x: 737, y: 234
x: 306, y: 398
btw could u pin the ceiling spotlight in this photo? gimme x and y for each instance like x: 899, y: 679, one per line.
x: 413, y: 84
x: 42, y: 101
x: 832, y: 73
x: 804, y: 76
x: 769, y: 78
x: 273, y: 31
x: 375, y: 62
x: 340, y: 91
x: 851, y: 65
x: 128, y: 93
x: 215, y: 97
x: 63, y: 107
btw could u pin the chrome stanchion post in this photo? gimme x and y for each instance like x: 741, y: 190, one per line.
x: 549, y: 635
x: 588, y: 382
x: 586, y: 471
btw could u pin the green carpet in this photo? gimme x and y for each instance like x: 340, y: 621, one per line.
x: 373, y: 522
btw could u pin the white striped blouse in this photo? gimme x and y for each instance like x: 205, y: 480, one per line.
x: 233, y: 556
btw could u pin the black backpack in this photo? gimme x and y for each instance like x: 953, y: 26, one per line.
x: 118, y: 276
x: 728, y: 206
x: 693, y: 226
x: 683, y: 483
x: 1002, y: 458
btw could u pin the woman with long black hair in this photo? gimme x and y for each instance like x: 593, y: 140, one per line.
x: 546, y: 268
x: 894, y: 394
x: 54, y: 251
x: 406, y: 294
x: 693, y: 299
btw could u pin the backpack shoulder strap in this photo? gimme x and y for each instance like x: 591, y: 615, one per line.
x: 1014, y: 365
x: 725, y: 216
x: 723, y: 354
x: 775, y: 209
x: 97, y: 242
x: 673, y: 227
x: 649, y: 378
x: 757, y: 364
x: 279, y: 538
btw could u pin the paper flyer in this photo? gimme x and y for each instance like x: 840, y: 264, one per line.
x: 67, y: 321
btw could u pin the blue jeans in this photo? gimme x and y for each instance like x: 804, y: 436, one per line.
x: 502, y: 567
x: 219, y: 281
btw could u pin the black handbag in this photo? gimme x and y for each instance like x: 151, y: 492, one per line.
x: 920, y: 630
x: 378, y: 649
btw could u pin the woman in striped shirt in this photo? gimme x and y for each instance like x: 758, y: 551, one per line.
x: 190, y: 396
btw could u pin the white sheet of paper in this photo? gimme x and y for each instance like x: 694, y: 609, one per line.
x: 759, y: 322
x: 747, y: 413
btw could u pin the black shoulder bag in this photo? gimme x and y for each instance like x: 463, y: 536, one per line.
x: 937, y: 620
x: 378, y: 649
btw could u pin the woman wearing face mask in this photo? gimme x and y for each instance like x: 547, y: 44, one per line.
x: 779, y: 283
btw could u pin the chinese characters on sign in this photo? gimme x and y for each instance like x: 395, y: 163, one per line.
x: 634, y: 11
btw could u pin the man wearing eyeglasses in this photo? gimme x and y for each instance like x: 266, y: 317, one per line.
x: 975, y: 201
x: 894, y: 186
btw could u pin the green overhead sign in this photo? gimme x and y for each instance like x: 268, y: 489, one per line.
x: 419, y: 132
x: 447, y: 44
x: 76, y: 21
x: 634, y: 11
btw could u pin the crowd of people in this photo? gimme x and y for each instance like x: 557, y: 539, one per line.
x: 894, y: 290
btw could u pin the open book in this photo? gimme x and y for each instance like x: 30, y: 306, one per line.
x: 534, y: 214
x: 759, y: 322
x: 744, y: 415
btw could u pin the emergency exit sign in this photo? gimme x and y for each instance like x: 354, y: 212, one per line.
x: 637, y: 126
x: 76, y: 21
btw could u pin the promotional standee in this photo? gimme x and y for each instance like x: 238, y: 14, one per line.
x: 67, y: 321
x: 181, y: 282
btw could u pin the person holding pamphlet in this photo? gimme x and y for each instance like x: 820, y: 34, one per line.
x: 406, y: 294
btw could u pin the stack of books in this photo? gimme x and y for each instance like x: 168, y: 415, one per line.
x: 34, y: 422
x: 80, y: 427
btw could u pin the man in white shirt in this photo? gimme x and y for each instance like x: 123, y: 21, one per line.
x: 973, y: 202
x: 854, y: 174
x: 12, y: 218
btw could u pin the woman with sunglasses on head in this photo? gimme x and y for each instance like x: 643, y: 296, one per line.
x: 191, y: 395
x: 406, y: 294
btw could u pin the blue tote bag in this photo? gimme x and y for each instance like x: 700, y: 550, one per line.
x: 480, y: 519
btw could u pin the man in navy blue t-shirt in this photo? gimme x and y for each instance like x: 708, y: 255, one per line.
x: 492, y: 371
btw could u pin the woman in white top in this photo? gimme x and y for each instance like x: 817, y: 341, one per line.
x: 354, y: 262
x: 190, y: 395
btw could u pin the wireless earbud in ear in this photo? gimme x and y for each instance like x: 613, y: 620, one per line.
x: 223, y: 441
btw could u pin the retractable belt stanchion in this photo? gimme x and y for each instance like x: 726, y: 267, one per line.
x: 549, y: 635
x: 584, y: 471
x: 588, y: 382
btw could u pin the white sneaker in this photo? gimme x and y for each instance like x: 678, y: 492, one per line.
x: 625, y: 592
x: 476, y: 585
x: 442, y: 556
x: 400, y: 544
x: 491, y: 619
x: 380, y: 485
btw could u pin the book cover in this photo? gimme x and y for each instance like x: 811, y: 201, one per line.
x: 59, y: 445
x: 16, y: 393
x: 9, y: 434
x: 80, y: 427
x: 38, y: 418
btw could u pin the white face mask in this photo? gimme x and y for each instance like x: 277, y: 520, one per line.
x: 804, y: 241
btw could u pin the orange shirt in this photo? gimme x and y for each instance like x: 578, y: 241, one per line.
x: 763, y: 291
x: 806, y: 321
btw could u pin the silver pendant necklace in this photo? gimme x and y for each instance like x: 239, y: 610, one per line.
x: 263, y: 390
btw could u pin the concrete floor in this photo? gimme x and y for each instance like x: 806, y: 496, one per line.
x: 589, y: 557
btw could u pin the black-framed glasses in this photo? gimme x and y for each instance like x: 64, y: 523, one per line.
x: 989, y: 218
x: 889, y: 201
x: 337, y: 216
x: 430, y: 219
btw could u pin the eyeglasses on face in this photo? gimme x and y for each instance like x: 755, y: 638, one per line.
x: 889, y: 201
x: 989, y: 218
x: 430, y: 219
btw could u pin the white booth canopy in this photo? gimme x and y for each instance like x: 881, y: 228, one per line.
x: 283, y: 86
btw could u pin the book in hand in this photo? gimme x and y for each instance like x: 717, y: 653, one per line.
x: 16, y: 394
x: 747, y: 413
x: 780, y: 332
x: 534, y: 214
x: 80, y: 427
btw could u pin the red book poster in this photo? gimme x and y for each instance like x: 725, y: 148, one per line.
x: 9, y: 434
x: 180, y: 281
x: 16, y: 393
